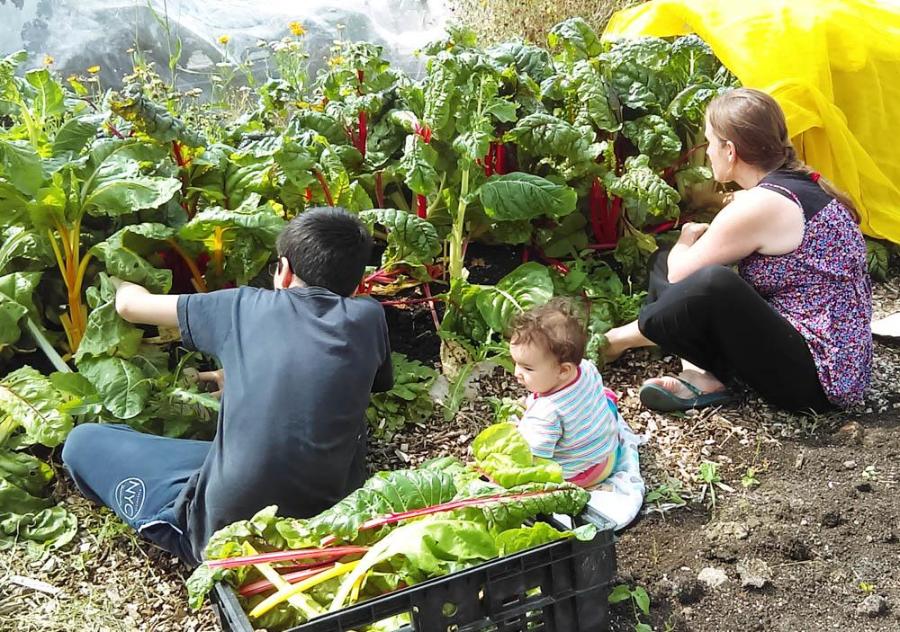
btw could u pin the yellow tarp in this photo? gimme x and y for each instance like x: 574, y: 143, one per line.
x: 834, y: 66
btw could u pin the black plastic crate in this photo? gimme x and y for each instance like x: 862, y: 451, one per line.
x: 558, y: 587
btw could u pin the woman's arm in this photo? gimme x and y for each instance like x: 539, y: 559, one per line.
x: 737, y: 231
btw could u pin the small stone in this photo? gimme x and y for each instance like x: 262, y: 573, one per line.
x: 851, y: 433
x: 872, y: 606
x: 754, y: 573
x: 864, y: 487
x: 849, y: 465
x: 727, y: 531
x: 712, y: 577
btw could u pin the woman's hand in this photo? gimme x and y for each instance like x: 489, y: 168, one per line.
x: 691, y: 232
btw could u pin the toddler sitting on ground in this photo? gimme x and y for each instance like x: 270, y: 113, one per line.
x: 569, y: 416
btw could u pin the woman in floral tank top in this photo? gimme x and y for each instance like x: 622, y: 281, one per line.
x: 794, y: 321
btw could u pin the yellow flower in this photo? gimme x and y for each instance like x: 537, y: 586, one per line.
x: 94, y: 70
x: 224, y: 39
x: 48, y: 60
x: 337, y: 60
x: 297, y: 29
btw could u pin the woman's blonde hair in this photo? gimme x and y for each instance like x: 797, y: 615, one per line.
x: 754, y: 122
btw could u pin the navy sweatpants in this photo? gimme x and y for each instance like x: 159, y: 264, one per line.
x: 139, y: 476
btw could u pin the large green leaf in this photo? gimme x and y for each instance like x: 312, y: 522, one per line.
x: 410, y: 238
x: 418, y: 161
x: 525, y: 58
x: 440, y: 91
x: 21, y: 166
x: 125, y: 251
x: 653, y: 136
x: 320, y: 123
x: 16, y: 292
x: 566, y: 239
x: 19, y: 287
x: 112, y: 196
x: 108, y: 334
x: 52, y: 527
x: 120, y: 383
x: 644, y: 193
x: 514, y: 540
x: 245, y: 237
x: 20, y: 244
x: 575, y: 39
x: 688, y: 108
x: 30, y: 404
x: 595, y: 98
x: 546, y: 135
x: 25, y: 471
x: 153, y: 120
x: 503, y: 453
x: 48, y: 97
x: 424, y: 549
x: 15, y: 500
x: 525, y: 287
x: 129, y: 266
x: 383, y: 494
x: 76, y: 133
x: 517, y: 196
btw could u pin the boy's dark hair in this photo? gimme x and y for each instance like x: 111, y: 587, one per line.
x: 326, y: 247
x: 556, y: 326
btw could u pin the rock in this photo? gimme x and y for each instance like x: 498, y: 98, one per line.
x: 727, y: 531
x: 831, y: 519
x: 712, y: 577
x: 872, y: 606
x: 849, y: 465
x: 754, y: 573
x: 864, y: 487
x: 851, y: 433
x: 722, y: 553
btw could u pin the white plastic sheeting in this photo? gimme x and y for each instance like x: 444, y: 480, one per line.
x: 82, y: 33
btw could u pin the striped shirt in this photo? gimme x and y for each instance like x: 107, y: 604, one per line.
x: 574, y: 426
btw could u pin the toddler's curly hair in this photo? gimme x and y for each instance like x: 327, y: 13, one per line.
x: 557, y: 326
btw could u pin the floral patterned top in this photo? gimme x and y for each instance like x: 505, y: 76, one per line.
x: 822, y: 288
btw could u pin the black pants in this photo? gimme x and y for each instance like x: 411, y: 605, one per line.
x: 716, y: 321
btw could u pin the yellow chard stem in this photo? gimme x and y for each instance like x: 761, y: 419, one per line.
x: 57, y: 253
x: 300, y: 587
x: 301, y: 602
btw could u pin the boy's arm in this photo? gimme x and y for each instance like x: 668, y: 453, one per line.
x: 137, y: 305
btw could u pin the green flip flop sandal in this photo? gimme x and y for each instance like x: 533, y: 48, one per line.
x: 657, y: 398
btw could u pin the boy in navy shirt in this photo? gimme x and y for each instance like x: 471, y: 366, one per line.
x: 298, y: 364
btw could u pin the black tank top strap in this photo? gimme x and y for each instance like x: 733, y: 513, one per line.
x: 798, y: 187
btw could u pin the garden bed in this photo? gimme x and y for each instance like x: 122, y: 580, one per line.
x: 824, y: 519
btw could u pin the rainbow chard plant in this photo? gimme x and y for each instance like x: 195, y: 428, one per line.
x: 55, y: 176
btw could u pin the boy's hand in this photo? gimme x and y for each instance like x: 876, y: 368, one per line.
x: 214, y: 376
